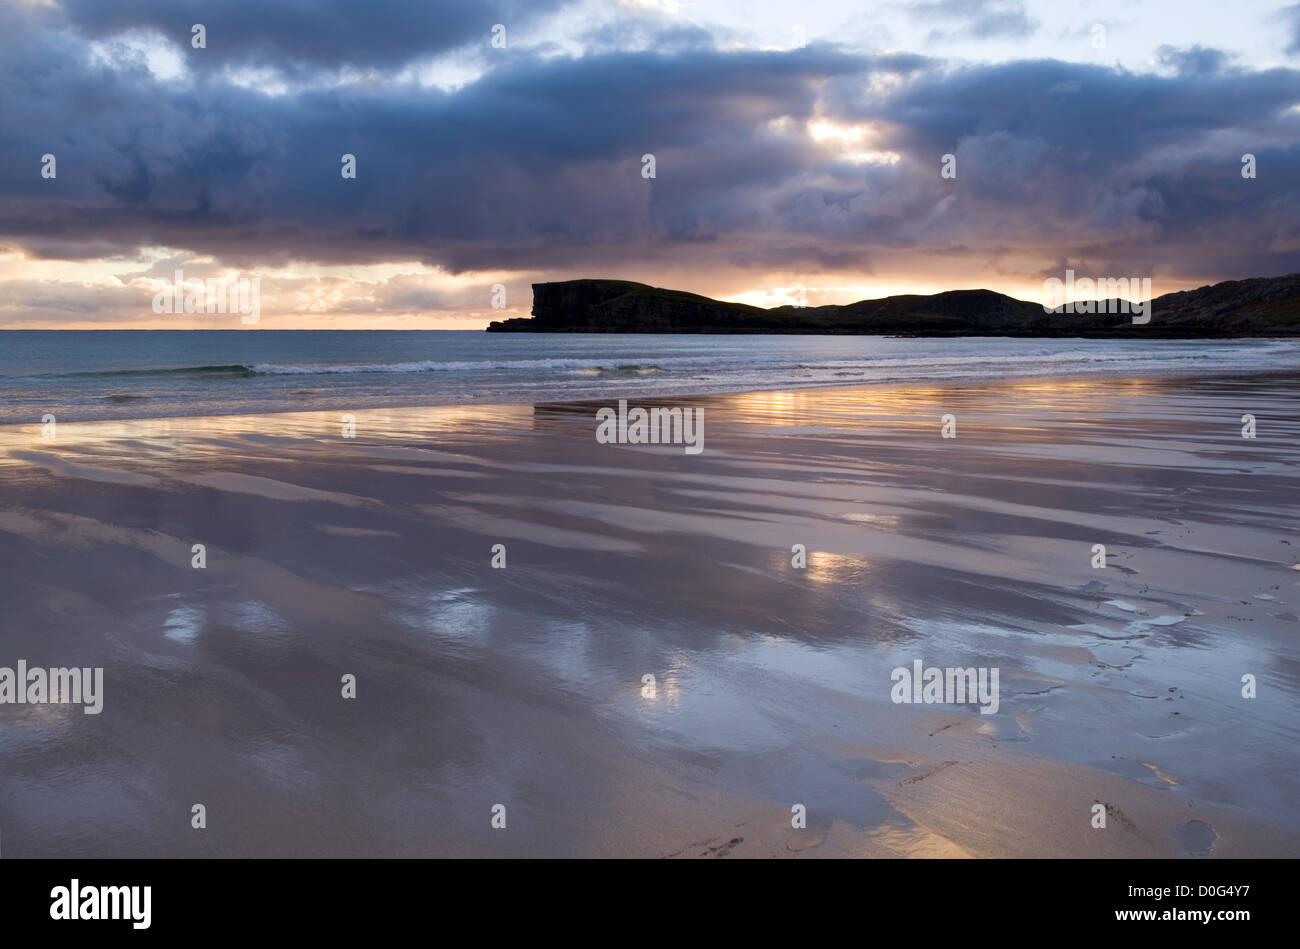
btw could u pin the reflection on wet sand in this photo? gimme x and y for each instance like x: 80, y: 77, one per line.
x: 372, y: 556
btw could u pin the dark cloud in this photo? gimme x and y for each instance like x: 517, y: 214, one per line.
x: 646, y: 31
x: 982, y: 19
x: 293, y: 37
x: 1108, y: 162
x: 1196, y: 61
x: 536, y: 166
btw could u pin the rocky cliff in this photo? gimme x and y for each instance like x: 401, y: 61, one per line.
x: 1259, y: 307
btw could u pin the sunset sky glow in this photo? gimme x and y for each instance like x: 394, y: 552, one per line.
x: 789, y: 153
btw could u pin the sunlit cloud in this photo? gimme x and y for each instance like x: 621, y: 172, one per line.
x: 798, y: 153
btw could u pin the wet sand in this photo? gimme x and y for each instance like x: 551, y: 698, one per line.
x: 372, y: 556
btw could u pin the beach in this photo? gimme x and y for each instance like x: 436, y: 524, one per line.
x: 517, y: 693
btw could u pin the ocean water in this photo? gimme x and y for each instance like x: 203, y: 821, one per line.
x: 107, y: 374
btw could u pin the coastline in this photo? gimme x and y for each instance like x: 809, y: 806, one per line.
x: 649, y: 396
x: 372, y: 556
x: 101, y: 376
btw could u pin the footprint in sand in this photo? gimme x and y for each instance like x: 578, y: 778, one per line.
x: 1102, y: 632
x: 1195, y: 838
x: 723, y: 849
x: 1115, y: 814
x: 1001, y: 728
x: 933, y: 771
x: 1113, y: 656
x: 814, y: 835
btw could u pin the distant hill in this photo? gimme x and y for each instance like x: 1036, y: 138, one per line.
x: 1266, y: 306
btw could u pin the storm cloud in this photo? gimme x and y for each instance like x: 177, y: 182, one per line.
x: 816, y: 158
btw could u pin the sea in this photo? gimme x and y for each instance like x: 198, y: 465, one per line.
x: 87, y: 375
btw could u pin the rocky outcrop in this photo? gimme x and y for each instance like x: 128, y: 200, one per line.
x: 1258, y: 307
x: 1235, y: 307
x: 619, y: 306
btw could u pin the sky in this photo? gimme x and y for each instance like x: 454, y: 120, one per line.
x: 798, y: 151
